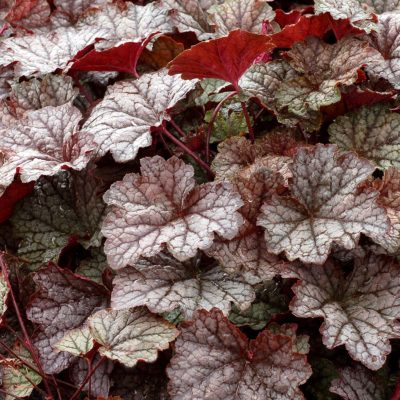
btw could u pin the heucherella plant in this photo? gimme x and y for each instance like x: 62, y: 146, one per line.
x: 200, y: 199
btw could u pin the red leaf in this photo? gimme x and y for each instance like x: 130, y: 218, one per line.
x: 122, y: 58
x: 226, y: 58
x: 16, y: 191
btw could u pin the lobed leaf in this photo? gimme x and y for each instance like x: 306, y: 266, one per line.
x: 161, y: 208
x: 327, y: 206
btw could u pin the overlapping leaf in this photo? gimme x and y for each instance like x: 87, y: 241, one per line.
x: 66, y: 206
x: 322, y: 68
x: 162, y: 207
x: 164, y: 284
x: 347, y: 9
x: 360, y: 310
x: 247, y: 252
x: 43, y: 142
x: 387, y: 41
x: 235, y: 14
x: 327, y: 206
x: 372, y: 132
x: 63, y: 302
x: 121, y: 122
x: 213, y: 358
x: 226, y: 58
x: 356, y: 384
x: 382, y: 6
x: 131, y: 335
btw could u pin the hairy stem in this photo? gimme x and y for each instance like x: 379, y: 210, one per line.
x: 212, y: 121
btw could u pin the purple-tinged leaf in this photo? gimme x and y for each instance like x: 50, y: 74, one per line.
x: 327, y: 205
x: 213, y: 358
x: 161, y: 208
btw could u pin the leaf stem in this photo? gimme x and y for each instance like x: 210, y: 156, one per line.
x: 248, y: 121
x: 212, y: 121
x: 28, y: 341
x: 188, y: 151
x: 88, y: 376
x: 177, y: 128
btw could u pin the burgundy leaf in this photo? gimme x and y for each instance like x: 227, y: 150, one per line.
x: 162, y: 207
x: 213, y: 358
x: 226, y: 58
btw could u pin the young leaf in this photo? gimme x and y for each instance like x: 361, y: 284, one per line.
x: 63, y: 207
x: 121, y: 122
x: 213, y: 358
x: 373, y: 132
x: 347, y: 9
x: 163, y: 207
x: 327, y: 206
x: 387, y: 41
x: 226, y: 58
x: 323, y: 67
x: 356, y: 384
x: 131, y: 335
x: 163, y: 284
x: 360, y: 310
x: 235, y: 14
x: 44, y: 142
x: 63, y: 302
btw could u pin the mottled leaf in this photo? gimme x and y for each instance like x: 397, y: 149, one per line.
x: 381, y: 6
x: 163, y: 207
x: 4, y: 290
x: 165, y: 284
x: 372, y: 132
x: 360, y: 309
x: 63, y: 302
x: 235, y: 14
x: 327, y: 206
x: 44, y: 142
x: 214, y: 359
x: 121, y: 122
x: 65, y: 206
x: 356, y: 383
x: 77, y: 341
x: 226, y: 58
x: 131, y: 335
x: 93, y: 266
x: 387, y: 41
x: 347, y: 9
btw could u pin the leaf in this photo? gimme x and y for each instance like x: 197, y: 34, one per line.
x: 100, y: 381
x: 77, y: 341
x: 163, y: 284
x: 28, y: 13
x: 44, y: 142
x: 387, y: 41
x: 247, y: 252
x: 327, y: 206
x: 347, y: 9
x: 46, y: 52
x: 62, y: 207
x: 94, y: 266
x: 237, y: 154
x: 359, y: 309
x: 4, y: 291
x: 121, y: 122
x: 12, y: 194
x: 356, y: 384
x: 226, y: 58
x: 214, y: 359
x: 188, y: 15
x: 131, y: 335
x: 63, y: 302
x: 323, y: 67
x: 382, y: 6
x: 234, y: 14
x: 75, y: 8
x: 373, y: 132
x: 162, y: 207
